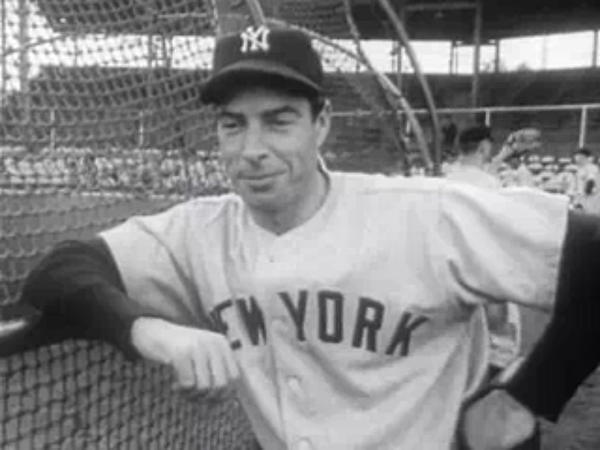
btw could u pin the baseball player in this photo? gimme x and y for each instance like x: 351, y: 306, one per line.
x: 475, y: 147
x: 586, y: 181
x: 343, y: 308
x: 476, y: 166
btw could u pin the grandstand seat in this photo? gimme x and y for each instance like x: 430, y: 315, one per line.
x: 548, y: 159
x: 564, y: 160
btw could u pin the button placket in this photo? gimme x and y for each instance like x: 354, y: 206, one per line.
x: 304, y: 444
x: 295, y: 386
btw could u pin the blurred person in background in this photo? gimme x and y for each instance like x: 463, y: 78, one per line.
x: 518, y: 174
x: 586, y: 190
x: 449, y: 134
x: 417, y: 168
x: 474, y: 165
x: 475, y: 147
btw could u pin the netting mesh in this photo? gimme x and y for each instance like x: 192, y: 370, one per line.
x: 100, y: 119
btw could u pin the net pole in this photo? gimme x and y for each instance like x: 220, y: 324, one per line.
x: 3, y: 38
x: 404, y: 38
x: 256, y: 12
x: 583, y: 127
x: 23, y: 39
x: 476, y: 54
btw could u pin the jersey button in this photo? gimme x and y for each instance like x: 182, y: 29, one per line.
x: 279, y: 325
x: 304, y: 444
x: 295, y: 386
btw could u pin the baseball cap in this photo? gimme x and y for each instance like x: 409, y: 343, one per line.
x: 475, y: 134
x: 583, y: 151
x: 263, y: 53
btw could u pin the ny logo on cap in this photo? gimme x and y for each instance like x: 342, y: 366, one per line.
x: 255, y: 39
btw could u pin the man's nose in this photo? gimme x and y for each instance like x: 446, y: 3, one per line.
x: 254, y: 146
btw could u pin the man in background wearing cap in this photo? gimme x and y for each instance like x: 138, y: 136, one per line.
x: 475, y: 148
x: 475, y: 165
x: 587, y: 176
x: 345, y: 309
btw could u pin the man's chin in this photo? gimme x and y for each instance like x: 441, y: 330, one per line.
x: 262, y: 199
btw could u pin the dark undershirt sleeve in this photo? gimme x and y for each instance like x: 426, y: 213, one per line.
x: 569, y: 349
x: 77, y: 292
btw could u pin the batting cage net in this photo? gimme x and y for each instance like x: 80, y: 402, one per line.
x: 100, y: 119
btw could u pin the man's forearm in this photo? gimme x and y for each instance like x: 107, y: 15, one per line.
x: 78, y: 293
x: 569, y: 349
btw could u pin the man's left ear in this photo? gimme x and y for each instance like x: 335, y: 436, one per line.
x: 324, y: 123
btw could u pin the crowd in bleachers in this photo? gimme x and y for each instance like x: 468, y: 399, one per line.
x: 178, y: 173
x: 577, y: 177
x: 113, y: 169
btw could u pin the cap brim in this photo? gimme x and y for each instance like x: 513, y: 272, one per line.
x: 220, y: 86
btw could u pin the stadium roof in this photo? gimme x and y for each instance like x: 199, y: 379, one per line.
x: 500, y: 19
x: 425, y: 19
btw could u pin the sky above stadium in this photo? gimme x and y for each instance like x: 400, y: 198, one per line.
x: 573, y: 50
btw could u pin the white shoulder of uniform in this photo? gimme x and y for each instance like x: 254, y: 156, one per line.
x: 174, y: 221
x: 474, y: 176
x: 155, y: 253
x: 376, y: 184
x: 502, y: 245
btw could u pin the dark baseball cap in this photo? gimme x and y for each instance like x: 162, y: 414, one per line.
x: 476, y: 134
x: 262, y: 53
x: 583, y: 151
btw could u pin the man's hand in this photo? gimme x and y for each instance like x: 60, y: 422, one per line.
x: 496, y: 422
x: 202, y: 360
x: 518, y: 143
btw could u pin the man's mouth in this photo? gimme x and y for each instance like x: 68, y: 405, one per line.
x: 259, y: 177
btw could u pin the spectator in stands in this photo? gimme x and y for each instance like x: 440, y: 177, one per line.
x: 567, y: 180
x: 417, y: 167
x: 449, y: 135
x: 586, y: 181
x: 518, y: 174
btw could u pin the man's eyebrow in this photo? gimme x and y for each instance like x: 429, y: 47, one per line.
x: 225, y: 114
x: 286, y: 109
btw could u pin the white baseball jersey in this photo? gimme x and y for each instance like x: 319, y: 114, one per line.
x: 473, y: 175
x: 505, y: 337
x: 356, y: 329
x: 584, y: 174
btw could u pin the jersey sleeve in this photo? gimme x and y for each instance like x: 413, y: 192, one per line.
x: 151, y: 255
x: 501, y: 245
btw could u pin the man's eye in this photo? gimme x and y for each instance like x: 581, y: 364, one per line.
x: 281, y: 121
x: 230, y: 124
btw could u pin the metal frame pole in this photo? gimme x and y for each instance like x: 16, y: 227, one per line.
x: 401, y: 8
x: 3, y: 51
x: 583, y: 127
x: 497, y: 56
x: 23, y: 13
x: 595, y: 50
x: 476, y: 53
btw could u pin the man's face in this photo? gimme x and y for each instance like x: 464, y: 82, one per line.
x: 486, y: 147
x: 269, y: 145
x: 580, y: 159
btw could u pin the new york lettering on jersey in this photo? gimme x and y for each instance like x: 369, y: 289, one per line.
x: 361, y: 331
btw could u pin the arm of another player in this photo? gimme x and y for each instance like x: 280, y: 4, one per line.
x: 567, y: 353
x: 76, y: 292
x: 560, y: 277
x: 569, y: 349
x: 517, y: 143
